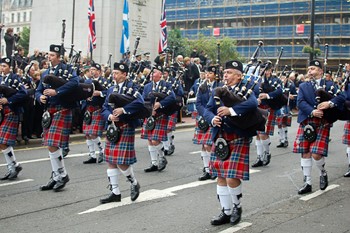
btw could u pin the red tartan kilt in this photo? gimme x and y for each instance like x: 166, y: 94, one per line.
x: 237, y: 165
x: 122, y: 152
x: 159, y: 133
x: 346, y: 135
x: 320, y: 145
x: 270, y: 123
x: 202, y: 138
x: 172, y: 120
x: 194, y: 115
x: 57, y: 135
x: 284, y: 120
x: 97, y: 123
x: 9, y: 127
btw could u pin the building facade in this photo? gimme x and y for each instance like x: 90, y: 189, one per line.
x: 278, y: 23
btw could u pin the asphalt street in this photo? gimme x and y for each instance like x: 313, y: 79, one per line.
x: 174, y: 200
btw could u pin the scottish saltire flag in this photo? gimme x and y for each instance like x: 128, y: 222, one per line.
x: 92, y: 29
x: 125, y: 43
x: 163, y: 39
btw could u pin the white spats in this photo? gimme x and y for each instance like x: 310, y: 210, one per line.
x: 113, y: 180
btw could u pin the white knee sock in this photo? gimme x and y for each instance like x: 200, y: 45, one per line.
x: 236, y: 194
x: 259, y: 148
x: 224, y: 198
x: 91, y: 147
x: 348, y: 153
x: 160, y: 150
x: 166, y: 145
x: 129, y: 174
x: 285, y: 131
x: 10, y: 156
x: 266, y: 145
x: 320, y: 165
x: 206, y: 159
x: 170, y: 137
x: 281, y: 134
x: 57, y: 164
x: 306, y: 165
x: 154, y: 154
x: 113, y: 180
x: 98, y: 145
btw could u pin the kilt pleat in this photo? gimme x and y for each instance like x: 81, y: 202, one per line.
x: 97, y: 123
x: 159, y: 133
x: 9, y: 127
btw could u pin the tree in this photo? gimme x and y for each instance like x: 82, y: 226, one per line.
x: 175, y: 40
x: 24, y: 41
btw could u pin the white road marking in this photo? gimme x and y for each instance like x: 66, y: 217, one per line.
x: 148, y: 195
x: 16, y: 182
x: 195, y: 152
x: 46, y: 159
x: 318, y: 192
x: 236, y: 228
x: 251, y: 171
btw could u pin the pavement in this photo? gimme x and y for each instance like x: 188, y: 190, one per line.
x: 187, y: 122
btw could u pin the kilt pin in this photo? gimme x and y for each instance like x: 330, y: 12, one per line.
x: 57, y: 135
x: 9, y: 127
x: 97, y: 123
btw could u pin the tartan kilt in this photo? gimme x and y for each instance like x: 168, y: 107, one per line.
x: 97, y: 123
x: 159, y: 133
x: 284, y: 120
x: 237, y: 165
x: 202, y: 138
x: 271, y: 121
x: 172, y: 120
x: 320, y: 145
x: 346, y: 135
x: 9, y: 127
x: 57, y: 135
x: 194, y: 114
x: 122, y: 152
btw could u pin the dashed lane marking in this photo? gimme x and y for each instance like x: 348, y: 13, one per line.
x: 318, y: 192
x: 195, y: 152
x: 16, y: 182
x: 46, y: 159
x: 236, y: 228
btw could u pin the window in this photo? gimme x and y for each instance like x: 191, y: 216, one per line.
x: 24, y: 16
x: 12, y: 17
x: 18, y: 17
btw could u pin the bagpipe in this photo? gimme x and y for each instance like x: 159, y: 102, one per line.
x: 268, y: 86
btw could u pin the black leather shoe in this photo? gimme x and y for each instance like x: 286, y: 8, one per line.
x: 49, y: 185
x: 100, y: 158
x: 347, y: 174
x: 285, y: 144
x: 6, y: 176
x: 61, y: 183
x: 90, y: 160
x: 305, y: 189
x: 171, y: 150
x: 236, y: 215
x: 14, y: 173
x: 162, y: 164
x: 268, y: 159
x: 151, y: 168
x: 205, y: 176
x: 134, y: 191
x: 323, y: 182
x: 221, y: 219
x: 281, y: 145
x: 258, y: 163
x: 166, y: 152
x: 111, y: 198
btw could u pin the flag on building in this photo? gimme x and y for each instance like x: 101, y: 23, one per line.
x: 163, y: 39
x: 92, y: 29
x: 125, y: 43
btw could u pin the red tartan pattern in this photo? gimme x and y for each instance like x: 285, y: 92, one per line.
x: 320, y: 146
x: 270, y: 123
x: 202, y: 138
x: 285, y: 120
x: 9, y: 127
x: 57, y: 135
x: 172, y: 120
x: 194, y: 114
x: 237, y: 165
x: 97, y: 123
x: 122, y: 152
x: 159, y: 133
x: 346, y: 135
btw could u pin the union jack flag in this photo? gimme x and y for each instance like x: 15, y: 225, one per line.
x: 92, y: 29
x: 163, y: 39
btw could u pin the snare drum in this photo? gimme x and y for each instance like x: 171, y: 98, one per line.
x: 191, y: 104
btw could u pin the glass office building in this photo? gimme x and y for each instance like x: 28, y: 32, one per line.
x: 278, y: 23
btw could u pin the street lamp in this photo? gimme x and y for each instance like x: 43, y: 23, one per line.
x: 312, y: 29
